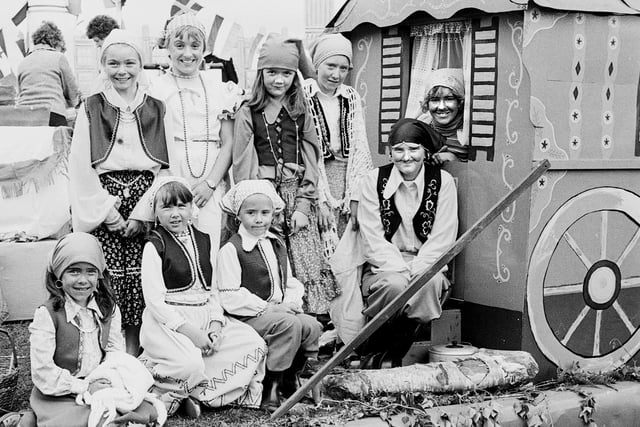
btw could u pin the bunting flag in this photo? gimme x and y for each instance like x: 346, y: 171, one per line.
x: 184, y: 6
x: 253, y: 49
x: 3, y: 47
x: 20, y: 43
x: 21, y: 15
x: 233, y: 42
x: 213, y: 34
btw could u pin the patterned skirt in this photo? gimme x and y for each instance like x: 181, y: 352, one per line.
x: 124, y: 255
x: 306, y: 256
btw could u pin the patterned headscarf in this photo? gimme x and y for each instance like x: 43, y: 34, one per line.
x: 76, y: 247
x: 416, y: 132
x: 232, y: 201
x: 451, y: 78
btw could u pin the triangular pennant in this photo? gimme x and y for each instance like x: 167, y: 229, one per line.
x: 2, y: 45
x: 184, y: 6
x: 213, y: 34
x: 21, y: 15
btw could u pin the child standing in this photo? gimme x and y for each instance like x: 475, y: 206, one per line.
x: 194, y: 352
x: 72, y: 332
x: 118, y: 148
x: 275, y: 140
x: 255, y: 283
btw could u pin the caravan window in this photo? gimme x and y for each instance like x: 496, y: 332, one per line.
x: 441, y: 55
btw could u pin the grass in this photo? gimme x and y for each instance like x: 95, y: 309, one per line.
x: 224, y: 417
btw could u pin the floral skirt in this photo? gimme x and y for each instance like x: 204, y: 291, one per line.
x: 306, y: 256
x: 124, y: 255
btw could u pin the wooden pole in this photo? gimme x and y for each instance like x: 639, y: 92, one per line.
x: 385, y: 314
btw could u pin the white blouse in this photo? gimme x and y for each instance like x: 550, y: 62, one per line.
x: 240, y: 301
x: 53, y: 380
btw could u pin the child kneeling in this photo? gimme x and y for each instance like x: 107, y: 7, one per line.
x: 257, y: 286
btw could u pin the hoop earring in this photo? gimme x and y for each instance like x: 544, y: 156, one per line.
x: 58, y: 284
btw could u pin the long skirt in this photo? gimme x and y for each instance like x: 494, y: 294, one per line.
x: 124, y: 255
x: 233, y: 374
x: 306, y: 256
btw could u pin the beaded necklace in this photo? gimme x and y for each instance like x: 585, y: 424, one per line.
x: 279, y: 158
x: 184, y: 128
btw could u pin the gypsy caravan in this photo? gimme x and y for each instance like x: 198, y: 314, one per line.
x: 557, y: 273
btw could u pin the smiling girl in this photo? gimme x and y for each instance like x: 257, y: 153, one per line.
x: 72, y: 332
x: 118, y: 149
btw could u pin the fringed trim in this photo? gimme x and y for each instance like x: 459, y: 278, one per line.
x: 17, y: 179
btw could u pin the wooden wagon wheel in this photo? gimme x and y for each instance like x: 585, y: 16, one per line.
x: 582, y: 299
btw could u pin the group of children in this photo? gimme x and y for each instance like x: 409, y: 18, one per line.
x: 207, y: 322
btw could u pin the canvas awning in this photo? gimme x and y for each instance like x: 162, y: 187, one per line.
x: 391, y: 12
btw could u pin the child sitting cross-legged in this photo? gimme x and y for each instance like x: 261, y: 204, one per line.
x: 257, y: 286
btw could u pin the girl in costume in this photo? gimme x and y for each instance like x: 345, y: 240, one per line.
x: 201, y: 109
x: 339, y: 120
x: 443, y: 110
x: 194, y: 352
x: 256, y: 286
x: 72, y: 333
x: 275, y: 140
x: 118, y: 149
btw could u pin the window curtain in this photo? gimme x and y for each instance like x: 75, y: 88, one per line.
x: 435, y: 46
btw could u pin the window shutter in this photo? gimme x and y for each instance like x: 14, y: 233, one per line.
x: 484, y: 85
x: 391, y: 84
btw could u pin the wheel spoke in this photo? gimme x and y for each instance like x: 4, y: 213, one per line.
x: 574, y: 246
x: 603, y: 234
x: 624, y: 317
x: 632, y: 243
x: 596, y: 334
x: 632, y: 282
x: 575, y: 325
x: 550, y: 291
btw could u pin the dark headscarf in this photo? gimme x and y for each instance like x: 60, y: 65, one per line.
x: 417, y: 132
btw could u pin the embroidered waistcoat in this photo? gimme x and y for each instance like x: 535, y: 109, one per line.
x: 284, y: 146
x: 104, y: 119
x: 179, y: 270
x: 425, y: 216
x: 255, y: 271
x: 67, y: 352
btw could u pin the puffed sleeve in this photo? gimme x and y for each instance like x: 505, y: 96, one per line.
x: 91, y: 204
x: 380, y: 253
x: 154, y: 289
x: 235, y: 299
x: 245, y: 157
x: 48, y: 377
x: 445, y: 227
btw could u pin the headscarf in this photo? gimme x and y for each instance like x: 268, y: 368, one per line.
x: 76, y: 247
x: 416, y: 132
x: 119, y: 36
x: 328, y: 45
x: 451, y: 78
x: 184, y: 20
x: 232, y: 201
x: 279, y: 52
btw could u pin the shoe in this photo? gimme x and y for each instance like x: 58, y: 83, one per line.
x: 291, y: 377
x: 271, y: 391
x: 191, y: 408
x: 11, y: 419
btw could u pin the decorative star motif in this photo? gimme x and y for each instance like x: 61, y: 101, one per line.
x: 606, y: 141
x: 612, y: 42
x: 535, y: 14
x: 575, y: 142
x: 579, y: 18
x: 575, y: 115
x: 607, y: 117
x: 614, y: 21
x: 542, y: 182
x: 544, y: 144
x: 579, y: 40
